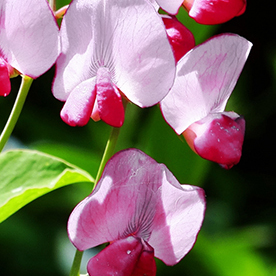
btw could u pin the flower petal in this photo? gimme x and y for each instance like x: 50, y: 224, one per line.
x: 124, y: 194
x: 137, y: 196
x: 109, y: 100
x: 78, y: 107
x: 183, y: 208
x: 5, y: 84
x: 128, y: 37
x: 218, y: 138
x: 205, y: 79
x: 215, y: 11
x: 181, y: 39
x: 171, y: 6
x: 29, y: 37
x: 122, y: 258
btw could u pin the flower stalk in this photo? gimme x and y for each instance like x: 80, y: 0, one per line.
x: 75, y: 269
x: 108, y: 152
x: 16, y: 111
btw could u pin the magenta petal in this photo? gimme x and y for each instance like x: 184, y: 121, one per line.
x: 217, y: 11
x: 181, y: 39
x: 121, y: 258
x: 78, y: 107
x: 109, y: 100
x: 206, y: 77
x: 219, y: 138
x: 5, y: 84
x: 146, y: 265
x: 29, y: 36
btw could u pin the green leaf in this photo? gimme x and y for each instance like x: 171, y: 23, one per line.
x: 26, y: 175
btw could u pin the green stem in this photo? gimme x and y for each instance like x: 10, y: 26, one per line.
x: 17, y: 108
x: 75, y: 270
x: 109, y: 151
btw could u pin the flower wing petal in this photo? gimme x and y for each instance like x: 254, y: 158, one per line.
x: 205, y: 79
x: 183, y: 207
x: 29, y: 36
x: 78, y: 107
x: 144, y: 66
x: 122, y: 203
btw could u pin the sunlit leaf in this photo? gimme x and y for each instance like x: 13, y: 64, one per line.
x: 26, y: 175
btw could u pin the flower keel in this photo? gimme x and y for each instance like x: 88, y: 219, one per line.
x: 125, y: 257
x: 218, y: 138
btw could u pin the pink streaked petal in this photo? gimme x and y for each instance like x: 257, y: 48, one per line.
x: 183, y: 209
x: 181, y: 39
x: 206, y: 77
x: 127, y: 37
x: 5, y: 84
x: 171, y: 6
x: 216, y: 11
x: 77, y: 40
x: 29, y: 37
x: 125, y: 194
x: 121, y: 258
x: 147, y: 201
x: 109, y: 100
x: 144, y: 66
x: 78, y: 107
x: 219, y: 138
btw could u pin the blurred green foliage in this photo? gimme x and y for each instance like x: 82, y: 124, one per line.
x: 238, y: 235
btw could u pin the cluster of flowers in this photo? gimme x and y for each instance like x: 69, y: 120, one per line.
x: 108, y: 53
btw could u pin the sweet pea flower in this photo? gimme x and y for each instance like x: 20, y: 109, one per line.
x: 140, y: 208
x: 206, y: 11
x: 111, y: 50
x: 29, y: 40
x: 180, y: 37
x: 205, y: 79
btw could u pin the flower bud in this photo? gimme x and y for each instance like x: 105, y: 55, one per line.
x: 180, y: 38
x: 211, y: 12
x: 218, y: 138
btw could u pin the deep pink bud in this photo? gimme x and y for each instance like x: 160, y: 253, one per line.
x: 218, y: 138
x: 180, y: 38
x: 211, y: 12
x: 5, y: 84
x: 124, y: 257
x: 109, y: 100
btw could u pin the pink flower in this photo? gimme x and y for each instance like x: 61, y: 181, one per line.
x: 180, y: 38
x: 111, y: 50
x: 205, y: 79
x: 29, y: 40
x: 142, y: 210
x: 206, y: 11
